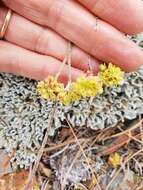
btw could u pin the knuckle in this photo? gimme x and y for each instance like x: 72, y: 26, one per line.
x: 57, y: 10
x: 14, y: 64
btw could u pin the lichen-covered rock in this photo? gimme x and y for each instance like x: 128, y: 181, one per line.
x: 24, y: 115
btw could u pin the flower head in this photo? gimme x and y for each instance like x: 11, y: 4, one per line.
x: 111, y: 75
x: 50, y: 88
x: 87, y: 86
x: 68, y: 97
x: 114, y: 160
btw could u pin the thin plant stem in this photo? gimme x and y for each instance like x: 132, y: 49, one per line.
x: 141, y: 128
x: 61, y: 68
x: 41, y: 150
x: 70, y: 167
x: 67, y: 59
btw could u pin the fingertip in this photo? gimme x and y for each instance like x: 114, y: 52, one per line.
x: 135, y: 63
x: 132, y: 61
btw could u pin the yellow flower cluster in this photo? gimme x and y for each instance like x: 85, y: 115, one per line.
x: 90, y: 86
x: 87, y: 86
x: 111, y: 75
x: 50, y: 88
x: 114, y: 160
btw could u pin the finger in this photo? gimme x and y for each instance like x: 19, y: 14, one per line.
x: 75, y: 23
x: 126, y: 15
x: 14, y: 59
x: 45, y: 41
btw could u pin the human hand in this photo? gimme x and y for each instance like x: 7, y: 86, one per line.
x: 77, y: 24
x: 34, y: 51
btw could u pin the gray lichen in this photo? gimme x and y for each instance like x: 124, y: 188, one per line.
x: 24, y: 115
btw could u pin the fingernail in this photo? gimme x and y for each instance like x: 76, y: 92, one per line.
x: 94, y: 64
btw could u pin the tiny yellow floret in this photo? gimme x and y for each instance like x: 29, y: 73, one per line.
x: 111, y: 75
x: 114, y: 160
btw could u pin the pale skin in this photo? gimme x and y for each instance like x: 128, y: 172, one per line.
x: 37, y: 36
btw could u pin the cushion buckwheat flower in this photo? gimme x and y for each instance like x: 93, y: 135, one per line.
x: 87, y: 86
x: 114, y: 160
x: 111, y: 75
x: 50, y: 88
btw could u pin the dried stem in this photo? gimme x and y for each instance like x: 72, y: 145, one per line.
x: 70, y: 168
x: 67, y: 59
x: 68, y: 142
x: 41, y: 150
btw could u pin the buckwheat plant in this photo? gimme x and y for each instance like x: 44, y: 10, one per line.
x: 51, y: 90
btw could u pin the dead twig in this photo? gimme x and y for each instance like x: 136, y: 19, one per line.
x: 68, y: 142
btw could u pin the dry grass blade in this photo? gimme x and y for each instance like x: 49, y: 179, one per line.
x: 66, y: 59
x: 45, y: 185
x: 141, y: 129
x: 118, y: 143
x: 68, y: 142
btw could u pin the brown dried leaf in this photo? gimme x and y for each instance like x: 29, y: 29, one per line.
x: 17, y: 181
